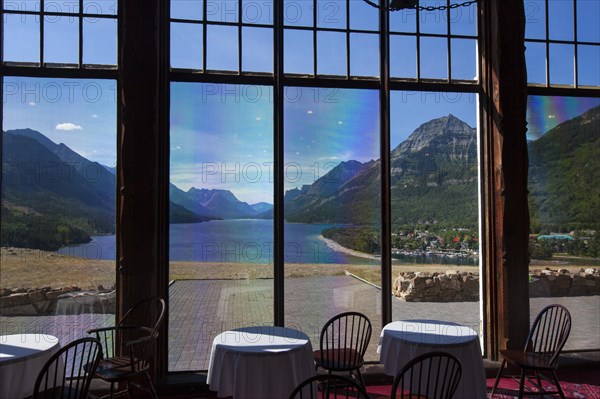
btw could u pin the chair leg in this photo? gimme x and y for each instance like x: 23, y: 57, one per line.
x: 539, y: 382
x: 558, y: 387
x: 522, y: 384
x: 111, y: 392
x: 498, y: 376
x: 360, y: 378
x: 151, y: 385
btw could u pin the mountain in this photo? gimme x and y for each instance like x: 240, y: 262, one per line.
x: 52, y: 196
x: 181, y: 198
x: 47, y: 202
x: 433, y: 180
x: 319, y: 202
x: 261, y: 207
x: 564, y: 175
x: 434, y: 175
x: 179, y: 214
x: 221, y: 203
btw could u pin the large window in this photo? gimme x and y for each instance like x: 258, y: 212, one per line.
x: 221, y: 216
x: 434, y: 200
x: 563, y: 60
x: 564, y: 245
x: 332, y: 206
x: 58, y: 205
x: 224, y: 134
x: 59, y: 159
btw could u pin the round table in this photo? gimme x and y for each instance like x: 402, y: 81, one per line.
x: 22, y: 356
x: 259, y: 362
x: 401, y: 341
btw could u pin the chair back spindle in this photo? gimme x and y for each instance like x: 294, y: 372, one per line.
x: 68, y: 373
x: 433, y: 375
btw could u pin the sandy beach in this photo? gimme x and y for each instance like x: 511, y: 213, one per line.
x: 338, y: 248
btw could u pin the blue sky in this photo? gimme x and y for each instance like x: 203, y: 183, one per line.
x: 221, y: 135
x: 80, y: 113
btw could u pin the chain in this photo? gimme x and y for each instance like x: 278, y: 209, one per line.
x: 428, y: 8
x: 441, y: 8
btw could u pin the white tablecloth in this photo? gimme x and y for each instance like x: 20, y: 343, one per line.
x: 401, y: 341
x: 22, y: 356
x: 259, y: 362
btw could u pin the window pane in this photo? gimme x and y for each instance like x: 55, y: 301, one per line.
x: 364, y: 54
x: 257, y: 49
x: 257, y: 12
x: 58, y: 205
x: 588, y: 65
x: 560, y: 19
x: 186, y: 45
x: 464, y: 59
x: 331, y: 14
x: 298, y: 51
x: 100, y: 41
x: 433, y: 21
x: 187, y: 9
x: 64, y: 6
x: 463, y: 20
x: 61, y: 39
x: 561, y: 64
x: 403, y: 21
x: 298, y: 13
x: 23, y: 5
x: 535, y: 57
x: 434, y: 204
x: 403, y: 56
x: 331, y: 53
x: 222, y: 10
x: 363, y: 16
x: 564, y: 244
x: 222, y: 51
x: 434, y: 58
x: 588, y: 29
x: 535, y: 17
x: 221, y: 231
x: 108, y: 7
x: 21, y: 38
x: 332, y: 207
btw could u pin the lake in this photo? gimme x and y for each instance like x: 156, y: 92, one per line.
x: 244, y: 241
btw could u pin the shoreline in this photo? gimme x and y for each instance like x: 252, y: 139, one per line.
x: 336, y: 247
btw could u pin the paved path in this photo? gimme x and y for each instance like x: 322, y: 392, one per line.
x: 201, y: 309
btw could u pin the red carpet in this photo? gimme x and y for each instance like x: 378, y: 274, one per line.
x: 575, y: 385
x: 509, y: 389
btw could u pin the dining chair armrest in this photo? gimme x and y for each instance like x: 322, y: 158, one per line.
x: 140, y: 351
x: 101, y: 329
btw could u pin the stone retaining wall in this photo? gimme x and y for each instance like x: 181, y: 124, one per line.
x: 60, y: 301
x: 455, y: 286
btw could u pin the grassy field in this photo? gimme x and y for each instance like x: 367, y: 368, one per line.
x: 34, y: 269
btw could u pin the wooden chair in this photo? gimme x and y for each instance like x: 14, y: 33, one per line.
x: 68, y: 373
x: 343, y: 343
x: 546, y: 339
x: 433, y: 375
x: 329, y: 386
x: 129, y: 346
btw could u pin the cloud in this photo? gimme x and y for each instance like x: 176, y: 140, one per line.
x: 68, y: 126
x: 95, y: 116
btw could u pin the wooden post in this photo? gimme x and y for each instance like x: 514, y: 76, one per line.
x: 142, y: 209
x: 506, y: 227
